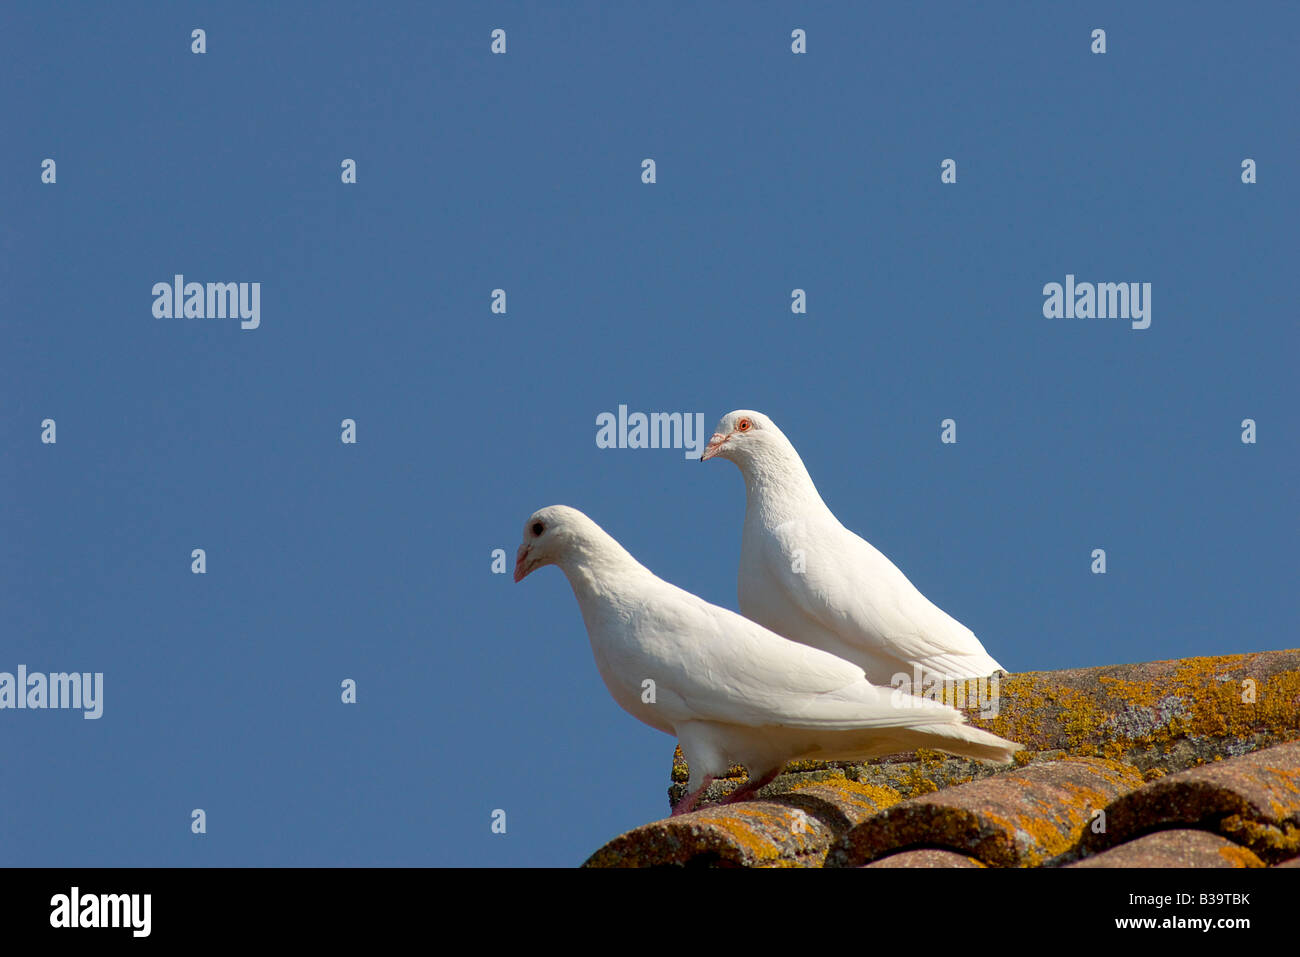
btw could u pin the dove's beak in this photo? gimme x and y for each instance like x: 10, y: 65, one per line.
x: 716, y: 442
x: 521, y: 563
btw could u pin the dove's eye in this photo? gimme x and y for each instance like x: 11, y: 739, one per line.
x: 538, y: 528
x: 744, y: 425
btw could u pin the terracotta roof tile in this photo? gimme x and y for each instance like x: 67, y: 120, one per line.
x: 1162, y: 714
x: 794, y: 830
x: 1176, y: 848
x: 926, y: 857
x: 1254, y: 800
x: 1022, y: 818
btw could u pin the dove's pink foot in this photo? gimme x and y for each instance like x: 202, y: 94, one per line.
x: 751, y: 787
x: 687, y: 803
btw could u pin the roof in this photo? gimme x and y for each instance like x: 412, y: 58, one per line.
x: 1187, y: 763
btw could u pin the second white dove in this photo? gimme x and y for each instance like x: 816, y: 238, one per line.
x: 807, y: 577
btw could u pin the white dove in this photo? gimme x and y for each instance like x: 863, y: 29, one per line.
x: 807, y: 577
x: 729, y: 690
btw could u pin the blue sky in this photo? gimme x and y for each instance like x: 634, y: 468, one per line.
x: 522, y: 171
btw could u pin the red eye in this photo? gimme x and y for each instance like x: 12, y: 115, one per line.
x: 744, y: 425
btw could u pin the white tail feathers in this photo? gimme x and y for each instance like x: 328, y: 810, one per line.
x: 967, y: 742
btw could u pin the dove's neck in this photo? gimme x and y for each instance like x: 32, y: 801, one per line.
x: 598, y: 568
x: 778, y: 488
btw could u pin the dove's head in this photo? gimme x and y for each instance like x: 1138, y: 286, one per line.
x: 554, y: 535
x: 745, y: 437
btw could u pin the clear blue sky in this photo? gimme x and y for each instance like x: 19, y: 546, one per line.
x: 372, y: 561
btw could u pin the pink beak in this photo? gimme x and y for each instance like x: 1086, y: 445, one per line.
x: 519, y: 563
x: 715, y: 443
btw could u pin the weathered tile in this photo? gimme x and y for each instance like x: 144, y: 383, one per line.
x: 1176, y: 848
x: 1022, y: 818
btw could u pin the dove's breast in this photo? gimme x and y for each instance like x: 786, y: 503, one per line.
x: 629, y: 657
x: 773, y: 568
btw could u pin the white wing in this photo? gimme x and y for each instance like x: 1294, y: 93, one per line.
x: 731, y: 670
x: 851, y: 590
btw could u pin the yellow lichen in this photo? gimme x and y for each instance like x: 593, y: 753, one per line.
x: 1059, y: 815
x: 1239, y: 856
x: 876, y: 796
x: 915, y: 782
x: 1199, y: 701
x: 1275, y: 841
